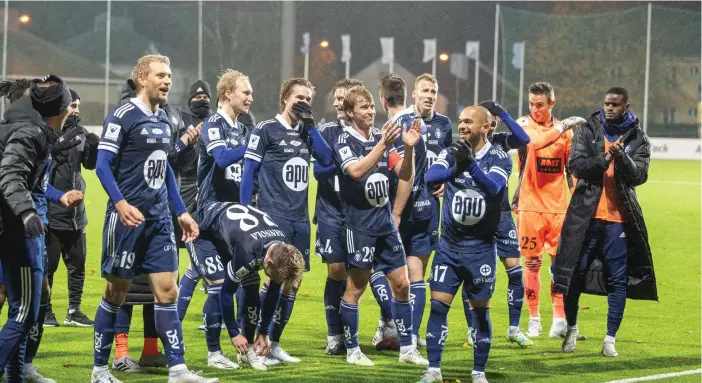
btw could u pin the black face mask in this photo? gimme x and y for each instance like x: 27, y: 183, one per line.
x: 71, y: 121
x: 200, y: 108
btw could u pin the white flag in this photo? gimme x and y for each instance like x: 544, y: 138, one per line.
x: 472, y: 49
x: 429, y: 50
x: 459, y: 65
x: 387, y: 44
x: 518, y: 55
x: 345, y: 48
x: 305, y: 43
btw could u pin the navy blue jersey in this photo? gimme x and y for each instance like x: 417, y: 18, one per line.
x: 242, y: 232
x: 438, y: 136
x: 328, y: 206
x: 284, y: 154
x: 470, y: 218
x: 141, y: 140
x: 499, y: 140
x: 217, y: 184
x: 420, y: 205
x: 365, y: 204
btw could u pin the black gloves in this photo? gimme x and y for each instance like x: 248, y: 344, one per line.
x: 303, y: 112
x: 462, y: 151
x: 494, y: 108
x: 67, y: 140
x: 33, y: 226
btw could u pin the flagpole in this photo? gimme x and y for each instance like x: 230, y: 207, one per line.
x: 199, y: 39
x: 4, y: 54
x: 495, y: 57
x: 306, y: 42
x: 108, y: 26
x: 521, y: 80
x: 433, y: 66
x: 348, y: 68
x: 477, y: 75
x: 648, y: 70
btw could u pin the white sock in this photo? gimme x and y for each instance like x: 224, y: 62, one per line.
x: 406, y: 349
x: 535, y: 318
x: 350, y: 351
x: 513, y: 329
x: 477, y: 372
x: 609, y: 339
x: 414, y: 339
x: 210, y: 354
x: 177, y: 370
x: 99, y: 369
x: 558, y: 320
x: 27, y: 366
x: 435, y: 370
x: 274, y: 345
x: 330, y: 338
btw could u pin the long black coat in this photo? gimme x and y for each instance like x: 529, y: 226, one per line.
x: 587, y: 162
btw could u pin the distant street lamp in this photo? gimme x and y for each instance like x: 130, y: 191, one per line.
x: 25, y: 19
x: 324, y: 44
x: 444, y: 57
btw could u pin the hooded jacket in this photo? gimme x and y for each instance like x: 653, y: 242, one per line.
x: 25, y: 146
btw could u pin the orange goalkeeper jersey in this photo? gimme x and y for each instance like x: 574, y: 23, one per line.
x: 542, y: 164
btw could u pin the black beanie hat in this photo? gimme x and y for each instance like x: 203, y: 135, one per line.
x: 200, y: 87
x: 50, y: 101
x: 74, y: 95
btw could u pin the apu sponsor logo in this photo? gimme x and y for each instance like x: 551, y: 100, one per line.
x: 376, y: 189
x: 548, y: 165
x: 155, y: 169
x: 296, y: 174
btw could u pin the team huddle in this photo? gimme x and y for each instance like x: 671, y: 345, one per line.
x: 382, y: 195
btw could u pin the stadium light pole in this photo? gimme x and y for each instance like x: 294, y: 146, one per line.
x: 108, y: 17
x: 648, y: 69
x: 494, y: 55
x: 4, y: 54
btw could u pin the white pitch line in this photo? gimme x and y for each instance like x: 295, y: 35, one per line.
x: 657, y: 377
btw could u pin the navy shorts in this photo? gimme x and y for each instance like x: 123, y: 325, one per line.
x: 298, y: 232
x: 476, y: 269
x: 419, y: 237
x: 506, y: 237
x: 330, y: 243
x: 148, y: 248
x: 383, y: 253
x: 206, y: 260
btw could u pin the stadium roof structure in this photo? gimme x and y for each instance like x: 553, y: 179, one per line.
x: 30, y: 55
x: 126, y: 47
x: 370, y: 75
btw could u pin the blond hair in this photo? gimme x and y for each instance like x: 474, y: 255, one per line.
x: 425, y: 76
x: 287, y: 87
x: 227, y: 82
x: 353, y: 96
x: 143, y: 66
x: 287, y: 265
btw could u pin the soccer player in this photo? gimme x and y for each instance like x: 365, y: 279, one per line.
x: 248, y: 239
x: 541, y: 198
x: 604, y: 223
x: 281, y: 149
x: 29, y: 131
x: 330, y: 222
x: 475, y: 174
x: 138, y: 235
x: 506, y: 233
x: 222, y: 148
x: 372, y: 239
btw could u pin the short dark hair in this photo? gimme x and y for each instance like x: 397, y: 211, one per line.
x: 346, y: 84
x: 541, y: 87
x: 393, y: 88
x: 619, y: 91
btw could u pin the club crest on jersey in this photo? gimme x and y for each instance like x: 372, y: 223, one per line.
x: 296, y: 174
x: 295, y: 143
x: 377, y: 186
x: 155, y: 169
x: 438, y: 134
x: 253, y: 142
x: 468, y: 207
x: 213, y: 133
x: 157, y: 131
x: 112, y: 132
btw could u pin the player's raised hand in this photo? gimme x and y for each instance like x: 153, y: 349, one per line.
x: 462, y: 151
x: 130, y: 216
x: 71, y: 198
x: 411, y: 135
x: 190, y: 229
x: 570, y: 123
x: 494, y: 108
x: 240, y: 344
x: 389, y: 133
x: 303, y: 112
x: 261, y: 345
x: 191, y: 135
